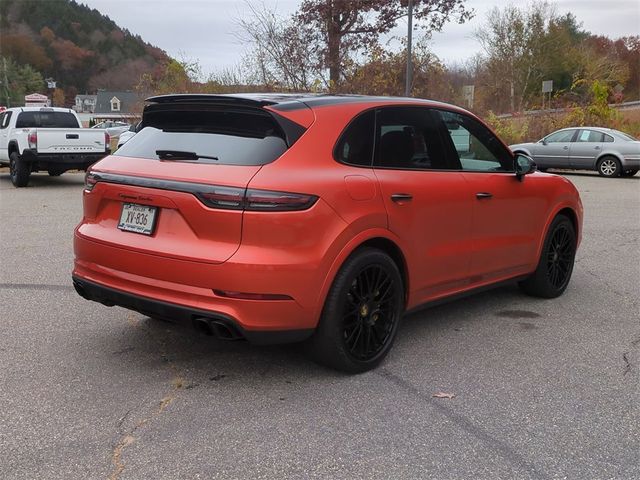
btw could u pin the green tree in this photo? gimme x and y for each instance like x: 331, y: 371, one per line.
x: 18, y: 81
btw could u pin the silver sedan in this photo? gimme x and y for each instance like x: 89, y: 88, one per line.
x: 610, y: 152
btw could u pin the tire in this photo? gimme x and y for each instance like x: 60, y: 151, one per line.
x: 361, y: 314
x: 609, y: 167
x: 629, y: 173
x: 555, y: 266
x: 18, y: 171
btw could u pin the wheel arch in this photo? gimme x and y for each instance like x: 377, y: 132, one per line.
x: 378, y: 238
x: 13, y: 147
x: 604, y: 155
x: 567, y: 211
x: 393, y: 250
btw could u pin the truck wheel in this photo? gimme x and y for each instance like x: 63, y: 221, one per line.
x: 19, y: 171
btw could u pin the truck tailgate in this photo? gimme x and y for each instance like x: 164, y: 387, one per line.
x: 70, y: 140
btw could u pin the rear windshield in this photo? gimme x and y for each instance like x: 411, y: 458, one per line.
x: 217, y: 136
x: 46, y: 120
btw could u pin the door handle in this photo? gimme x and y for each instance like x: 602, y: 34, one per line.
x: 597, y: 147
x: 565, y: 148
x: 401, y: 197
x: 483, y: 195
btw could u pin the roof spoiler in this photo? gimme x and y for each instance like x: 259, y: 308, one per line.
x: 291, y: 129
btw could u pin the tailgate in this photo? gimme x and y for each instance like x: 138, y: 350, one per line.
x: 179, y: 224
x: 70, y: 140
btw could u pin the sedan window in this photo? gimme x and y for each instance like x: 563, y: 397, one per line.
x: 563, y: 136
x: 590, y: 136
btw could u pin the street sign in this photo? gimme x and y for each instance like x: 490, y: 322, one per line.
x: 547, y: 86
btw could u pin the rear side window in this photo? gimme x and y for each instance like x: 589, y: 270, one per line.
x: 590, y: 136
x: 407, y: 138
x: 4, y: 119
x: 355, y: 145
x: 46, y: 120
x: 223, y: 136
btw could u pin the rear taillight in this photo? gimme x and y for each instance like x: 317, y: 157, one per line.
x: 32, y: 139
x: 223, y: 197
x: 267, y: 201
x: 107, y: 141
x: 214, y: 196
x: 256, y: 200
x: 90, y: 180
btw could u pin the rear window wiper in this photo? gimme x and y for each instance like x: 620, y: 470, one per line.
x: 181, y: 155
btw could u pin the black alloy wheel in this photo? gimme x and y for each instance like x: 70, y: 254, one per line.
x: 555, y: 266
x: 361, y: 314
x: 369, y: 313
x: 560, y: 256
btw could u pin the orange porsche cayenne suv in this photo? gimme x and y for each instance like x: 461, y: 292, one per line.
x: 282, y: 218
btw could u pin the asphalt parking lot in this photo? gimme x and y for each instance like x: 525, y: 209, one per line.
x: 543, y: 388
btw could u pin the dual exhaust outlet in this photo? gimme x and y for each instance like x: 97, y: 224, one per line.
x: 217, y: 328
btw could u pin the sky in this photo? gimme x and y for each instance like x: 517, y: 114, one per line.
x: 206, y: 31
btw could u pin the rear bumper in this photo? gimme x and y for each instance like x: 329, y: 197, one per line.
x: 61, y: 161
x: 189, y: 288
x: 230, y: 328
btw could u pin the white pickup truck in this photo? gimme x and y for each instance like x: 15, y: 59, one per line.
x: 49, y: 139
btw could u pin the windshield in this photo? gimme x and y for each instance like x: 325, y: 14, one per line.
x: 218, y: 136
x: 46, y: 120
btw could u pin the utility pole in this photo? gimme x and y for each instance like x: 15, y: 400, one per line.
x: 5, y: 82
x: 407, y: 88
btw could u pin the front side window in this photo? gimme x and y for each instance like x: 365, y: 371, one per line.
x: 564, y: 136
x: 408, y: 138
x: 355, y: 146
x: 475, y: 146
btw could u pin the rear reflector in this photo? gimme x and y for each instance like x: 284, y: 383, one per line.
x: 251, y: 296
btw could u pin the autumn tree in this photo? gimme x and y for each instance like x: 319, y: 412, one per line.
x: 342, y: 28
x: 285, y: 55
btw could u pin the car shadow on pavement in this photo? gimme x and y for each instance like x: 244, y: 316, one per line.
x: 183, y: 349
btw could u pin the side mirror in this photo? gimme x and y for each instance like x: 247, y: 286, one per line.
x: 543, y: 141
x: 524, y: 166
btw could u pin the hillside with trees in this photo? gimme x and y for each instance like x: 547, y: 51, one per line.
x: 79, y: 47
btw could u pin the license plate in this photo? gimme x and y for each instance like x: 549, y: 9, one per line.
x: 137, y: 218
